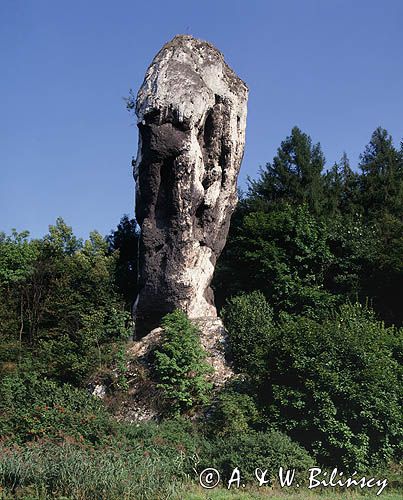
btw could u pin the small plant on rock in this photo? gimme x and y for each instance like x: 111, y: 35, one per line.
x: 180, y: 365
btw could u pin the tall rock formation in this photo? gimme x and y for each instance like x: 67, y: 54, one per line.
x: 191, y: 111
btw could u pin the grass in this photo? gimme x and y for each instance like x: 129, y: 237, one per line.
x: 222, y: 494
x: 44, y: 471
x: 72, y: 471
x: 187, y: 492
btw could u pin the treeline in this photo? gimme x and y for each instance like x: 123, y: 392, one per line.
x: 61, y: 312
x: 310, y: 283
x: 311, y: 239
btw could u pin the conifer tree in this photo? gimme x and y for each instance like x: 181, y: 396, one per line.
x: 342, y: 189
x: 382, y: 176
x: 294, y: 176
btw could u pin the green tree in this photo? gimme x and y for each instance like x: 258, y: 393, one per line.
x: 285, y: 254
x: 125, y: 241
x: 294, y: 175
x: 84, y: 314
x: 342, y: 189
x: 61, y: 303
x: 384, y: 281
x: 382, y: 199
x: 17, y: 266
x: 61, y: 238
x: 249, y: 321
x: 382, y: 176
x: 355, y: 246
x: 333, y: 385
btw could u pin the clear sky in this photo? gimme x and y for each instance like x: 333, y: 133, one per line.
x: 332, y: 67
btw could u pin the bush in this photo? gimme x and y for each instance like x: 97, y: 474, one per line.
x: 72, y: 357
x: 59, y: 303
x: 180, y: 365
x: 332, y: 385
x: 335, y: 388
x: 285, y: 254
x: 249, y: 321
x: 169, y: 438
x: 265, y: 450
x: 32, y: 408
x: 233, y: 413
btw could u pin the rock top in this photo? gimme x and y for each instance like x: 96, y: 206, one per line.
x: 184, y: 77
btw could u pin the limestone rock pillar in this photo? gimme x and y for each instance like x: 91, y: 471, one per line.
x: 191, y: 111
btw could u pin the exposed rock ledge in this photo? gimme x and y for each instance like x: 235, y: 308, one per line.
x: 143, y: 401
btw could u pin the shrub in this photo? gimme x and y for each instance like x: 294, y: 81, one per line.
x: 332, y: 385
x: 284, y: 253
x: 169, y: 438
x: 59, y: 303
x: 233, y: 413
x: 335, y: 387
x: 32, y: 408
x: 265, y: 450
x: 249, y: 321
x: 72, y: 356
x: 180, y: 365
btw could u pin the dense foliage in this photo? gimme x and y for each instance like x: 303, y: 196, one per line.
x: 249, y: 450
x: 334, y: 385
x: 310, y: 240
x: 61, y: 312
x: 319, y: 255
x: 32, y: 408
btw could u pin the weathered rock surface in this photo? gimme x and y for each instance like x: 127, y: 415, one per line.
x: 191, y: 113
x: 213, y: 338
x: 143, y: 400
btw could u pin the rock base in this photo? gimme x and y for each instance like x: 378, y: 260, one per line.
x: 143, y: 401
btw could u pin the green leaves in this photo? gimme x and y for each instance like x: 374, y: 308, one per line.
x: 61, y: 238
x: 17, y: 258
x: 124, y: 241
x: 32, y: 407
x: 249, y: 321
x: 382, y: 176
x: 284, y: 253
x: 294, y: 176
x: 59, y: 300
x: 310, y: 240
x: 333, y: 385
x: 180, y: 365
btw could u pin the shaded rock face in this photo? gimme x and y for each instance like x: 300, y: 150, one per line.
x: 191, y: 111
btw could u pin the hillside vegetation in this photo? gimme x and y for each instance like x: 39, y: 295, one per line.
x: 310, y: 290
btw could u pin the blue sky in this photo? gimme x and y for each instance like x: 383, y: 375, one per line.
x: 332, y: 67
